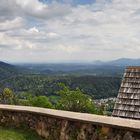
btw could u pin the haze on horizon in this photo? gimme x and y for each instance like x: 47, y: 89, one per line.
x: 69, y: 30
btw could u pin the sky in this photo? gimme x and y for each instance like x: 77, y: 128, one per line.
x: 69, y: 30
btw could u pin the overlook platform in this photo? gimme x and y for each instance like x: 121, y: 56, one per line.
x: 64, y: 124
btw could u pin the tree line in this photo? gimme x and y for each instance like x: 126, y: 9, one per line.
x: 96, y: 87
x: 67, y: 99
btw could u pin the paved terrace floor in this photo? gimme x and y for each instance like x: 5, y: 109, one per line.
x: 85, y: 117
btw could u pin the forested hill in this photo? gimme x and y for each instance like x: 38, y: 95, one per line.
x: 7, y: 70
x: 97, y: 87
x: 99, y: 82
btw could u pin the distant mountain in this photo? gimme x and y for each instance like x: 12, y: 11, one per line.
x: 118, y: 62
x: 124, y: 62
x: 96, y: 68
x: 5, y: 65
x: 7, y: 70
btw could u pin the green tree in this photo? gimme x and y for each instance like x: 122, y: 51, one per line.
x: 7, y: 96
x: 40, y: 101
x: 75, y: 100
x: 24, y: 98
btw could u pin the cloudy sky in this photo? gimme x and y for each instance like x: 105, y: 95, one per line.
x: 69, y: 30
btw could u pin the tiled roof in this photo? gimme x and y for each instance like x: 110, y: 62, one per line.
x: 128, y: 100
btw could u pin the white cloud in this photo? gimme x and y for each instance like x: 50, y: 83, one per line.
x: 102, y: 30
x: 32, y: 7
x: 33, y: 30
x: 11, y: 8
x: 7, y: 42
x: 52, y: 35
x: 18, y: 22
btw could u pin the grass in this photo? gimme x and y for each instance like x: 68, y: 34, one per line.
x: 17, y: 134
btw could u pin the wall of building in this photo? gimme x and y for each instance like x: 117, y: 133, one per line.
x: 64, y: 125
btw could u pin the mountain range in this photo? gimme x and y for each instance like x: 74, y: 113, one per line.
x: 96, y: 68
x: 120, y: 62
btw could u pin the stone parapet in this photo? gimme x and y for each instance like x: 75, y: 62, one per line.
x: 64, y: 125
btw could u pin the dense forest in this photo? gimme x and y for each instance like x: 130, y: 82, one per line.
x: 97, y: 87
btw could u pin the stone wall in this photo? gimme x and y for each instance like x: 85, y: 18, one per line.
x: 64, y: 125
